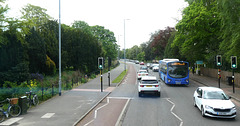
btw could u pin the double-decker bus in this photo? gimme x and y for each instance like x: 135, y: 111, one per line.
x: 173, y: 71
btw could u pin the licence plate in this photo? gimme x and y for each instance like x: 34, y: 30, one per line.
x: 178, y: 82
x: 222, y: 113
x: 148, y: 86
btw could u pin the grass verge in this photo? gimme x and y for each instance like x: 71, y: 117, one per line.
x: 120, y: 77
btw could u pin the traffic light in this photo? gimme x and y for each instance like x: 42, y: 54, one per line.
x: 233, y: 62
x: 219, y: 60
x: 100, y: 62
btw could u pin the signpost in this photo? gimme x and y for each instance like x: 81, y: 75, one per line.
x: 199, y: 62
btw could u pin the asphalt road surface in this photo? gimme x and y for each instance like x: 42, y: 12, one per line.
x: 173, y: 108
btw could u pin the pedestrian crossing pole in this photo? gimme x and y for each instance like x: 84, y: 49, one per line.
x: 100, y: 66
x: 101, y: 79
x: 219, y: 64
x: 219, y: 77
x: 233, y: 66
x: 109, y: 65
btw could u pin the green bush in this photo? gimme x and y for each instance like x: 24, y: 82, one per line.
x: 50, y: 67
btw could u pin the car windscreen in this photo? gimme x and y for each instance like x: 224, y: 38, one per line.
x: 215, y: 95
x: 149, y: 81
x: 143, y: 72
x: 143, y: 68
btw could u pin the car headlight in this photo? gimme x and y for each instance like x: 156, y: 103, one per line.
x: 233, y: 108
x: 208, y: 107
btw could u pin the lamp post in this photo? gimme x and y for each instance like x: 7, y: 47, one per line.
x: 59, y: 48
x: 119, y: 46
x: 124, y: 47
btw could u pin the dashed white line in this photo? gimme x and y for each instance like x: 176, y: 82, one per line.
x: 174, y: 113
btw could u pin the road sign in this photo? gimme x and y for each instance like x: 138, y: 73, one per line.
x: 200, y: 62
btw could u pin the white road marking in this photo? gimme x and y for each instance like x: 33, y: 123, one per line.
x: 10, y: 121
x: 119, y: 118
x: 95, y: 114
x: 174, y: 113
x: 120, y: 97
x: 47, y: 115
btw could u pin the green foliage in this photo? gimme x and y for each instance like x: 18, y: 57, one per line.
x: 36, y: 52
x: 107, y: 40
x: 230, y: 31
x: 50, y: 67
x: 198, y: 31
x: 34, y: 16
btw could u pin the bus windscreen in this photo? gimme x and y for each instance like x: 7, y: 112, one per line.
x: 178, y: 70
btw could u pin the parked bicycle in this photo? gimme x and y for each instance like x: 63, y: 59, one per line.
x: 32, y: 99
x: 12, y: 110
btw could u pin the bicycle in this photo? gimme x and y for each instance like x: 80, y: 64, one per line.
x: 13, y: 109
x: 32, y: 99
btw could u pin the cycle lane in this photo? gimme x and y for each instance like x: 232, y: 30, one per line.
x: 110, y: 111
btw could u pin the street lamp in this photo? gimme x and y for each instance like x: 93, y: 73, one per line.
x: 59, y: 48
x: 118, y: 47
x: 124, y: 47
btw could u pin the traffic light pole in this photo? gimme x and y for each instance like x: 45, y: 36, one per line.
x: 233, y: 81
x: 109, y: 65
x: 109, y: 77
x: 101, y: 79
x: 219, y: 77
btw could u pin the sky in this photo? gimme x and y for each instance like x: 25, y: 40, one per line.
x: 142, y: 17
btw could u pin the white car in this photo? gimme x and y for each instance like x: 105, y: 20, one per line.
x: 155, y: 69
x: 142, y: 73
x: 213, y: 102
x: 149, y: 84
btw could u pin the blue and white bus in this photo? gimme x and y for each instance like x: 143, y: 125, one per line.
x: 173, y: 71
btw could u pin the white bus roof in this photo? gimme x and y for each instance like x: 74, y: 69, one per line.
x: 170, y: 59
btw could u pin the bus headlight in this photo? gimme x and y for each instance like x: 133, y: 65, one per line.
x: 187, y: 80
x: 169, y: 80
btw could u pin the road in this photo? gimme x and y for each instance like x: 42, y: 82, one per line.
x: 173, y: 108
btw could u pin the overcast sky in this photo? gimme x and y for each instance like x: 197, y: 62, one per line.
x: 146, y: 16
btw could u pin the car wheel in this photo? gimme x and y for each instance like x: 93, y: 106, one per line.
x: 159, y: 94
x: 139, y: 94
x: 194, y: 102
x: 203, y: 113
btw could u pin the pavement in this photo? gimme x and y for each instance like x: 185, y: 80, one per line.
x: 213, y: 82
x: 72, y: 106
x: 69, y: 108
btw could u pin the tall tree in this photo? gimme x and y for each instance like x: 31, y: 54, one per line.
x: 34, y: 16
x: 107, y: 39
x: 229, y: 11
x: 198, y: 32
x: 36, y: 52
